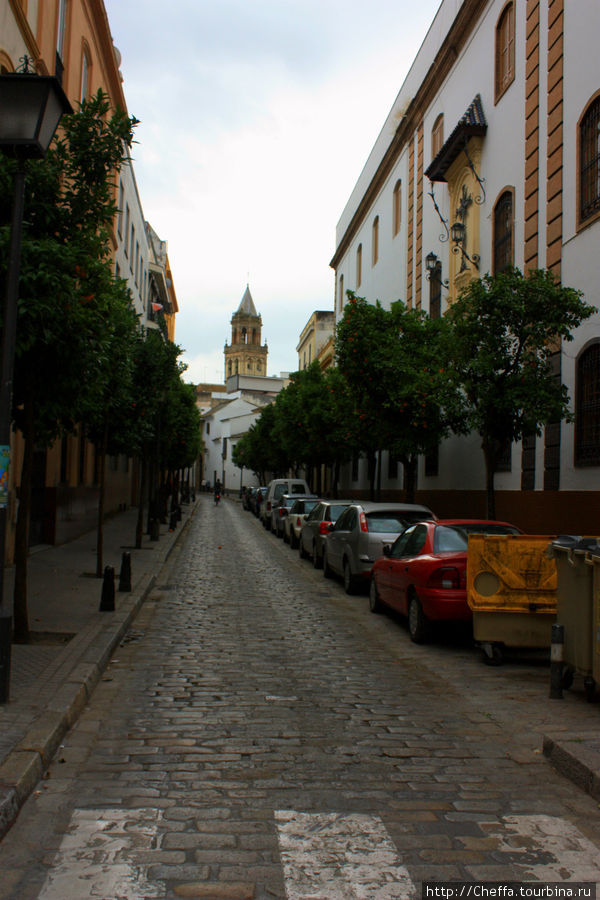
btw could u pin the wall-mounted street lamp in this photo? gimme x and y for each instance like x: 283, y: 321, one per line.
x: 432, y: 264
x: 31, y: 106
x: 458, y: 233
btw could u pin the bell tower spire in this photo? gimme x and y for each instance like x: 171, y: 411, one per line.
x: 246, y: 355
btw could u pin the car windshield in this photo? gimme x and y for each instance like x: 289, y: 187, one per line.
x: 298, y: 489
x: 306, y: 505
x: 455, y: 538
x: 388, y: 522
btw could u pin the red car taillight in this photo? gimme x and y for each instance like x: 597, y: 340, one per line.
x: 298, y: 522
x: 324, y: 527
x: 448, y: 578
x: 363, y: 523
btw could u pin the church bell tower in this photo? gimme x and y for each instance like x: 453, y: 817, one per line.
x: 246, y: 355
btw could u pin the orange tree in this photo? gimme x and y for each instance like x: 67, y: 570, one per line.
x: 397, y: 363
x: 504, y: 341
x: 60, y: 342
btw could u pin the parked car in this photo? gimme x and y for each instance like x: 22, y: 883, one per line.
x: 423, y: 574
x: 247, y: 493
x: 292, y: 523
x: 359, y: 536
x: 276, y: 489
x: 316, y: 526
x: 280, y: 512
x: 257, y: 499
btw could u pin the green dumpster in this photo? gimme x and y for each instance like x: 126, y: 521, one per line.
x: 575, y: 606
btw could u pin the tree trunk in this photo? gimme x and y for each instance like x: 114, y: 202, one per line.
x: 371, y: 469
x: 139, y: 528
x: 335, y: 479
x: 21, y: 618
x: 490, y: 469
x: 410, y: 477
x: 102, y: 486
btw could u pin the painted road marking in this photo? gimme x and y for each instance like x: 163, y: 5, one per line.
x: 96, y: 858
x: 547, y: 847
x: 330, y: 856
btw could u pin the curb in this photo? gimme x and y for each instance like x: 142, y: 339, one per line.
x: 577, y: 758
x: 89, y: 655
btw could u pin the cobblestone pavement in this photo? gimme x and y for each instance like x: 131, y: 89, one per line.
x: 259, y: 734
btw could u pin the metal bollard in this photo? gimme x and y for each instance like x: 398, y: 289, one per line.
x: 154, y: 529
x: 557, y: 642
x: 107, y: 600
x: 173, y: 521
x: 5, y: 647
x: 125, y: 573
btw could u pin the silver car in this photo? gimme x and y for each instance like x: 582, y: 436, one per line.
x: 358, y: 537
x: 316, y: 526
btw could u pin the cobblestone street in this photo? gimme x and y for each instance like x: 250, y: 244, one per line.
x: 260, y: 734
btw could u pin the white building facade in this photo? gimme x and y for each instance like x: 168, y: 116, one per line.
x: 497, y: 125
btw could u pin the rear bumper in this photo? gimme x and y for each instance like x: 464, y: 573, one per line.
x: 441, y: 605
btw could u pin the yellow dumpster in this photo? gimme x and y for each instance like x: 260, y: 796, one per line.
x: 511, y: 590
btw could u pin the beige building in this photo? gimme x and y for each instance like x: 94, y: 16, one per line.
x: 316, y: 338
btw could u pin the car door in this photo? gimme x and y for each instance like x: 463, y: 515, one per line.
x: 311, y: 526
x: 408, y: 545
x: 337, y: 540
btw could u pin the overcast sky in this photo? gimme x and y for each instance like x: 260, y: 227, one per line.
x: 256, y: 119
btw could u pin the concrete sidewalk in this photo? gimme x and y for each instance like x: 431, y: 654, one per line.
x: 53, y: 677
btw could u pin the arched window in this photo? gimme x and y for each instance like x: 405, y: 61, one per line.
x: 85, y: 75
x: 397, y: 208
x: 375, y: 241
x: 589, y: 162
x: 587, y: 408
x: 505, y: 50
x: 358, y: 265
x: 503, y: 232
x: 437, y: 136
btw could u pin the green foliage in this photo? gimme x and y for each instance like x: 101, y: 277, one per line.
x: 504, y: 337
x: 397, y: 364
x: 67, y: 294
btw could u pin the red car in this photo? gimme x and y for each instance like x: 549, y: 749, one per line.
x: 424, y: 573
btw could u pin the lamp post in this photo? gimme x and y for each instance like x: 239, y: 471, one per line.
x: 31, y: 106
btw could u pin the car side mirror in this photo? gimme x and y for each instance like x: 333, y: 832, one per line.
x: 387, y: 550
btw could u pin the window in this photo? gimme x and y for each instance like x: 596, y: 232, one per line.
x: 589, y: 162
x: 358, y: 265
x: 341, y: 298
x: 120, y: 217
x: 505, y: 50
x: 503, y: 233
x: 375, y: 241
x: 437, y: 136
x: 397, y: 208
x: 85, y: 74
x: 60, y: 31
x: 587, y: 408
x: 126, y: 247
x: 435, y: 291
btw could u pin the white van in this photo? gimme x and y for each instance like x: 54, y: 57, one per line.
x: 276, y: 489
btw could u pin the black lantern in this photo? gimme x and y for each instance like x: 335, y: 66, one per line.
x: 31, y: 106
x: 457, y: 232
x: 431, y: 261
